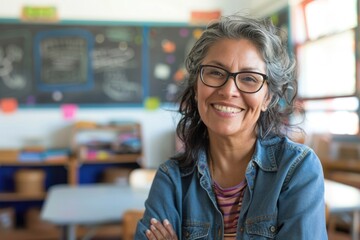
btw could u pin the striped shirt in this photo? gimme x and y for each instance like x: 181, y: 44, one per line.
x: 229, y: 201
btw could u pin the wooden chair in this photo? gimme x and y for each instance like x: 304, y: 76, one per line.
x: 140, y: 178
x: 130, y: 220
x: 331, y: 228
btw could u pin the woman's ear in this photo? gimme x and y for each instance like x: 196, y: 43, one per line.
x: 195, y: 93
x: 266, y: 102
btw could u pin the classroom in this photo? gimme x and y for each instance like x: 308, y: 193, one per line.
x: 89, y: 105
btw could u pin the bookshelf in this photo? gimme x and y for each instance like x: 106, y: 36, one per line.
x: 93, y: 149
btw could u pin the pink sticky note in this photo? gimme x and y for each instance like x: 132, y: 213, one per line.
x: 69, y: 111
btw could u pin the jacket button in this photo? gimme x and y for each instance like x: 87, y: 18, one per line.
x: 187, y: 235
x: 241, y: 229
x: 272, y: 229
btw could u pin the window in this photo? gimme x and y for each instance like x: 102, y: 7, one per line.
x: 324, y: 38
x: 334, y: 115
x: 325, y: 17
x: 327, y: 66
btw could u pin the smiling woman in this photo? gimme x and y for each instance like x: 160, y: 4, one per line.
x: 233, y: 108
x: 239, y: 176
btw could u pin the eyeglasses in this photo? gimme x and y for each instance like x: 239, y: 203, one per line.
x: 245, y: 81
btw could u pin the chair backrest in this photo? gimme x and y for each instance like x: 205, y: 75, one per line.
x: 141, y: 178
x: 130, y: 220
x: 320, y: 143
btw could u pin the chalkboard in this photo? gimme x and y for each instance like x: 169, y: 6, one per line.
x: 51, y: 64
x: 281, y: 20
x: 45, y: 64
x: 168, y: 48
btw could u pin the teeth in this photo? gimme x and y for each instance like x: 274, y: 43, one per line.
x: 227, y: 109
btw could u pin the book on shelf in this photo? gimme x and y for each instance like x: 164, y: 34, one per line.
x: 46, y: 155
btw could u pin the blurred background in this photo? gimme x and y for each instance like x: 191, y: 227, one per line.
x: 88, y: 91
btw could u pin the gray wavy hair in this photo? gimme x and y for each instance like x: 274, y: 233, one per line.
x: 280, y: 68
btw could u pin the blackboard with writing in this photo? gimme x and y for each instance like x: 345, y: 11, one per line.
x: 82, y: 64
x: 90, y: 64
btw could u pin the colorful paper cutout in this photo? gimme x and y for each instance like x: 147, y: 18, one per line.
x: 162, y: 71
x: 204, y: 17
x: 168, y: 46
x: 184, y: 32
x: 8, y: 105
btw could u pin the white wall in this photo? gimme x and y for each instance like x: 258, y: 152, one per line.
x: 265, y: 7
x: 127, y: 10
x: 47, y: 126
x: 141, y: 10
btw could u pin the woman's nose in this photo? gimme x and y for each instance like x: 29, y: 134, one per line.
x: 229, y: 89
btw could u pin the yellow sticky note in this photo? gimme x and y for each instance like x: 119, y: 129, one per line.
x: 152, y: 103
x: 39, y: 13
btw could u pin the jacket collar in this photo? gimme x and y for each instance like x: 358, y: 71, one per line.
x: 266, y: 152
x: 264, y: 155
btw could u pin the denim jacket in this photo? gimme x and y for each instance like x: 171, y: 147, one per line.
x: 284, y: 198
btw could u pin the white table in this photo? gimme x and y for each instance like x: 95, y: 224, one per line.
x: 342, y: 198
x: 93, y: 204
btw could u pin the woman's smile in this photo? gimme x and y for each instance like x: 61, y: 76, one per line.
x: 226, y: 109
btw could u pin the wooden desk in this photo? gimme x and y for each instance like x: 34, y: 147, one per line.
x: 340, y: 199
x: 90, y: 205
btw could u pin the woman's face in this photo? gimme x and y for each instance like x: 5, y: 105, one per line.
x: 225, y: 110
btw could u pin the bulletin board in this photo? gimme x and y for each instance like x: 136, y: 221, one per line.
x: 92, y: 64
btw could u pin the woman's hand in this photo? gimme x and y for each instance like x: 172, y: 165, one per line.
x: 160, y: 230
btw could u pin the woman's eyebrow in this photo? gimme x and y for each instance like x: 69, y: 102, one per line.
x: 219, y: 64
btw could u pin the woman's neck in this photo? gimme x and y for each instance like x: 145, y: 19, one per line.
x: 230, y: 158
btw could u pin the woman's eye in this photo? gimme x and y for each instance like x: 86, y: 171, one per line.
x: 216, y: 73
x: 249, y: 79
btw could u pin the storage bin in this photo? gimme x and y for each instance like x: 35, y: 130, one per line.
x: 30, y: 181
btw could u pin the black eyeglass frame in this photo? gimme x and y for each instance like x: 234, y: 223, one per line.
x: 230, y: 74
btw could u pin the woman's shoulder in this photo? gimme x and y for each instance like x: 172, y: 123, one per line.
x: 285, y: 151
x: 284, y: 144
x: 301, y: 150
x: 287, y: 157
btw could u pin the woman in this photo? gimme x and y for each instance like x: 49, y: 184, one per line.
x: 240, y: 176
